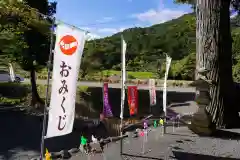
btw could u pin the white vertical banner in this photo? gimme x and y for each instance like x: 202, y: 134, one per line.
x: 123, y: 76
x: 168, y: 63
x: 11, y: 72
x: 152, y: 92
x: 66, y: 64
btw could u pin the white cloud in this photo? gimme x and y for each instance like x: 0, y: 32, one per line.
x: 86, y: 28
x: 111, y: 30
x: 122, y: 29
x: 91, y: 36
x: 105, y: 19
x: 101, y: 32
x: 96, y: 33
x: 107, y: 30
x: 154, y: 16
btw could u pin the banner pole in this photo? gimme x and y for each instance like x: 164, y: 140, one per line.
x: 168, y: 63
x: 165, y: 103
x: 121, y: 123
x: 121, y: 142
x: 47, y: 91
x: 149, y: 85
x: 123, y: 70
x: 103, y: 99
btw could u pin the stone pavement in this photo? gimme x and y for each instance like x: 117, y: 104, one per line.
x: 156, y: 146
x: 179, y: 144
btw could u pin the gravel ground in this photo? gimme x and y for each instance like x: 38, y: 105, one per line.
x: 179, y: 144
x: 20, y: 143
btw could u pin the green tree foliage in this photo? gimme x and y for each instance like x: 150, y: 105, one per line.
x: 147, y: 47
x: 26, y: 35
x: 15, y: 18
x: 91, y: 60
x: 185, y: 68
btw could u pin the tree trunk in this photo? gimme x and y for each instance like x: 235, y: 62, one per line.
x: 214, y: 52
x: 35, y: 96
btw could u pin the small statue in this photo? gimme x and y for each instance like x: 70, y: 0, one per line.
x: 155, y: 124
x: 47, y: 155
x: 145, y: 125
x: 161, y: 122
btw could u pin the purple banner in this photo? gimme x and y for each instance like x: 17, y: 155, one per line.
x: 107, y: 111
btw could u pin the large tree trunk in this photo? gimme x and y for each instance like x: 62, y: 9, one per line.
x: 214, y: 52
x: 35, y: 100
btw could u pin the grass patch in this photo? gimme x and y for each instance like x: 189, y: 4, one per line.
x: 131, y: 75
x: 97, y: 75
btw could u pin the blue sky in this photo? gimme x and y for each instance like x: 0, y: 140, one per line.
x: 106, y: 17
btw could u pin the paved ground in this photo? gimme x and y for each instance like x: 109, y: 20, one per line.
x: 186, y: 108
x: 156, y: 147
x: 20, y: 140
x: 22, y: 143
x: 117, y: 85
x: 179, y: 144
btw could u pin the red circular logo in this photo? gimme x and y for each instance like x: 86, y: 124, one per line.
x: 68, y: 45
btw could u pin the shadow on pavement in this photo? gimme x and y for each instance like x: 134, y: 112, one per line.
x: 192, y: 156
x: 139, y: 156
x: 181, y: 135
x: 22, y: 132
x: 224, y: 134
x: 19, y: 131
x: 96, y: 100
x: 179, y: 104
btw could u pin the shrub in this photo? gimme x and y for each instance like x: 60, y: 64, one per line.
x: 236, y: 72
x: 131, y: 76
x: 19, y: 94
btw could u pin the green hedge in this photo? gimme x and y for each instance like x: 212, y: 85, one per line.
x: 20, y: 93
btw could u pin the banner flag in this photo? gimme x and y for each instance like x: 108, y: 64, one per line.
x: 12, y: 73
x: 133, y: 100
x: 152, y: 92
x: 66, y: 64
x: 107, y: 111
x: 168, y: 63
x: 123, y: 76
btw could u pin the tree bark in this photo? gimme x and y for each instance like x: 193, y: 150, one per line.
x: 214, y: 52
x: 35, y: 100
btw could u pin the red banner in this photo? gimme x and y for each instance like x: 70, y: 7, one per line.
x: 133, y: 100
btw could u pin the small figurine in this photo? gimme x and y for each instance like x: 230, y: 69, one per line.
x: 145, y: 125
x: 83, y: 144
x: 155, y: 124
x: 47, y: 155
x: 161, y: 122
x: 141, y: 134
x: 83, y: 140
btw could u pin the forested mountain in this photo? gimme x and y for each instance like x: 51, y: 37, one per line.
x: 146, y: 47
